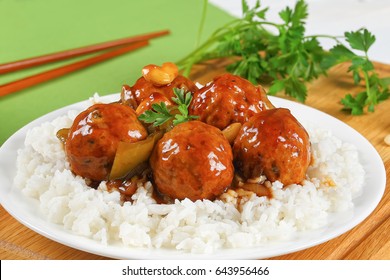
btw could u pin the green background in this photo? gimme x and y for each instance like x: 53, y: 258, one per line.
x: 35, y: 27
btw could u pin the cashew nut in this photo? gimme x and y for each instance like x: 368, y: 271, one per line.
x: 160, y: 76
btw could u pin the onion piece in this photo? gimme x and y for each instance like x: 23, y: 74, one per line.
x: 63, y: 134
x: 258, y: 189
x: 231, y: 132
x: 129, y: 155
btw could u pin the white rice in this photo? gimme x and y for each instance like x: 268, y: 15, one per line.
x: 198, y: 227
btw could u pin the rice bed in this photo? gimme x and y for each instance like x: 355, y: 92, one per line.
x: 197, y: 227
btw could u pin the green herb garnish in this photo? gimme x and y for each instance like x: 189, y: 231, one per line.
x: 376, y: 89
x: 281, y: 52
x: 161, y: 114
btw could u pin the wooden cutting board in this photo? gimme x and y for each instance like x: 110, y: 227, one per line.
x: 368, y: 240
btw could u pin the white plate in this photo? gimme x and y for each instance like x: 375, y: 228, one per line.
x: 26, y: 210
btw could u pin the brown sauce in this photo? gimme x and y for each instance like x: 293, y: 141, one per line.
x: 126, y: 187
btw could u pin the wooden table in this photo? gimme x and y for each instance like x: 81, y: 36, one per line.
x: 368, y: 240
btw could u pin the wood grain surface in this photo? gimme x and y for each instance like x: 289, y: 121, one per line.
x: 370, y: 240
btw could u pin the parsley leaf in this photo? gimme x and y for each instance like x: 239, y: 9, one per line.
x: 356, y: 104
x: 161, y: 114
x: 360, y: 40
x: 158, y: 116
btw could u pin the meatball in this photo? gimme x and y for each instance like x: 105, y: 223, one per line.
x: 272, y: 143
x: 142, y: 89
x: 193, y: 160
x: 228, y: 99
x: 94, y: 136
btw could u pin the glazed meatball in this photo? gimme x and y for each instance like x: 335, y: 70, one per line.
x: 272, y: 143
x: 94, y: 136
x: 193, y: 160
x: 228, y: 99
x: 142, y: 89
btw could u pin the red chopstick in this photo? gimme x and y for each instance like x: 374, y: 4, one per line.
x: 39, y: 60
x: 57, y: 72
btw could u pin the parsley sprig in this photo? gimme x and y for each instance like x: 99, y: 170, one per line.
x: 363, y: 72
x: 283, y: 53
x: 161, y: 114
